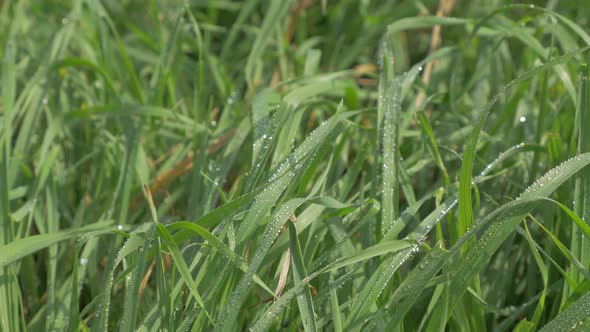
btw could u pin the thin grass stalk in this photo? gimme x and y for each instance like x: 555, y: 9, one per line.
x: 581, y: 244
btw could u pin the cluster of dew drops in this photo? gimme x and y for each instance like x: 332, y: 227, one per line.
x: 551, y: 174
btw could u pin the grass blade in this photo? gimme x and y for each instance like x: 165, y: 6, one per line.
x: 18, y: 249
x: 304, y: 301
x: 414, y: 284
x: 500, y: 224
x: 276, y: 13
x: 568, y: 319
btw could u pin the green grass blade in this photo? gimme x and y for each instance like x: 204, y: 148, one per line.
x: 265, y: 320
x: 182, y: 268
x: 391, y: 105
x: 86, y: 64
x: 544, y: 274
x: 283, y: 175
x: 364, y: 303
x: 74, y: 301
x: 580, y: 243
x: 500, y: 224
x: 570, y: 317
x: 335, y: 307
x: 465, y: 181
x: 414, y: 284
x: 132, y: 288
x: 304, y: 301
x: 230, y: 312
x: 9, y: 312
x: 275, y: 14
x: 131, y: 72
x: 245, y: 10
x: 565, y: 251
x: 216, y: 243
x: 18, y: 249
x: 213, y: 104
x: 380, y: 249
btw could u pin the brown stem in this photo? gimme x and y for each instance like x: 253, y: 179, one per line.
x: 444, y: 8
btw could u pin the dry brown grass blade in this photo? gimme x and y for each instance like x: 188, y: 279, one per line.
x: 444, y: 8
x: 284, y: 273
x: 145, y: 279
x: 299, y: 7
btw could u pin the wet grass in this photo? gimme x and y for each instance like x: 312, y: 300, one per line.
x: 294, y: 165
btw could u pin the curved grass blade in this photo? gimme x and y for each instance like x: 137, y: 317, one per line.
x: 501, y: 223
x: 565, y: 251
x: 465, y: 179
x: 380, y: 249
x: 218, y: 244
x: 436, y: 216
x: 18, y: 249
x: 86, y: 64
x: 566, y: 21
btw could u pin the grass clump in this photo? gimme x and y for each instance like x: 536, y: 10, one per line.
x: 294, y: 165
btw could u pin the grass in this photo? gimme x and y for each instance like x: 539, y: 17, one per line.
x: 294, y: 165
